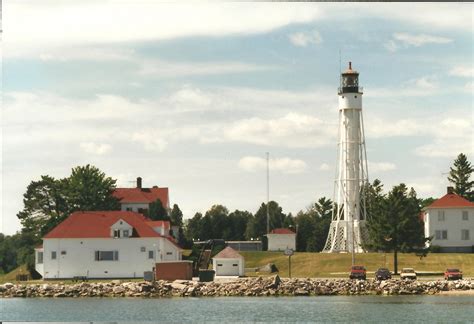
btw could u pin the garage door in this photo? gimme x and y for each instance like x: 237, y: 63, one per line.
x: 227, y: 268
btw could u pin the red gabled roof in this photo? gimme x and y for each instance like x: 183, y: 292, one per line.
x: 451, y: 200
x: 228, y: 253
x: 142, y: 195
x: 282, y: 231
x: 97, y: 224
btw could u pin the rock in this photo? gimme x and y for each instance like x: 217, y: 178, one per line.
x: 177, y: 285
x: 269, y: 268
x: 59, y: 295
x: 301, y: 292
x: 8, y: 285
x: 116, y: 282
x: 276, y: 282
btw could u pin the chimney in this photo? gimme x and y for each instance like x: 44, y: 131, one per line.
x: 350, y: 65
x: 450, y: 190
x: 139, y: 182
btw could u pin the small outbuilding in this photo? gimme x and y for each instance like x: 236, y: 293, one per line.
x: 280, y: 239
x: 229, y: 262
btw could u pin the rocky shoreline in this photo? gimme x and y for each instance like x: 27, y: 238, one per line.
x: 270, y: 286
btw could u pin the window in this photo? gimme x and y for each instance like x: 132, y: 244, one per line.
x: 440, y: 215
x: 441, y: 235
x: 169, y: 253
x: 464, y: 234
x: 142, y: 249
x: 235, y: 265
x: 126, y: 233
x: 465, y: 215
x: 116, y: 233
x: 53, y: 255
x: 129, y: 209
x: 106, y: 255
x: 39, y: 259
x: 63, y: 252
x: 151, y: 254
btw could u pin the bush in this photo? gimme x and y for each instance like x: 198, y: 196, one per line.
x: 435, y: 249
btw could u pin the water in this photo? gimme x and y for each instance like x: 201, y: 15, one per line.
x: 363, y: 309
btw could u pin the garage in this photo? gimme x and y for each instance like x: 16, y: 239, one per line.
x: 229, y: 262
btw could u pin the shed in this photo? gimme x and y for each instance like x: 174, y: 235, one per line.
x: 229, y: 262
x: 281, y: 239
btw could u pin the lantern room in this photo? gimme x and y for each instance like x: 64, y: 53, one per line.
x: 349, y: 81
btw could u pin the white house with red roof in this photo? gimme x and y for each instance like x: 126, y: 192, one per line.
x: 280, y: 239
x: 139, y: 199
x: 105, y: 244
x: 449, y: 220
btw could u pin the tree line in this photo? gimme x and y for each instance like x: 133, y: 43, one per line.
x: 393, y: 223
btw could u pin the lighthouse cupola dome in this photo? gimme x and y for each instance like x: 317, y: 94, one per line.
x: 349, y: 80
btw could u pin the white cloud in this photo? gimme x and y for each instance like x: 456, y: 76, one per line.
x: 469, y: 87
x: 378, y: 167
x: 462, y: 71
x: 324, y: 167
x: 284, y: 165
x: 420, y: 39
x: 167, y: 69
x: 68, y: 24
x: 304, y: 39
x: 391, y: 46
x: 292, y: 130
x: 95, y: 148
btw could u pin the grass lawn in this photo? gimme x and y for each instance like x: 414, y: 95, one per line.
x: 305, y: 264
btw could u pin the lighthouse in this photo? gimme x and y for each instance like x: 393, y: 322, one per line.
x: 347, y: 229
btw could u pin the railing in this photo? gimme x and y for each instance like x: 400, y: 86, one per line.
x: 359, y: 89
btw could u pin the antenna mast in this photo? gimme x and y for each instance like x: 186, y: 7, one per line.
x: 268, y: 192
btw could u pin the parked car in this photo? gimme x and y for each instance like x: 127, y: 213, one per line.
x: 408, y: 273
x: 383, y: 274
x: 452, y: 274
x: 358, y: 272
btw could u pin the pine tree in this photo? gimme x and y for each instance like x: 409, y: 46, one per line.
x: 459, y: 176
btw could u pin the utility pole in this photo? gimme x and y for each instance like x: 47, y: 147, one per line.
x: 268, y: 192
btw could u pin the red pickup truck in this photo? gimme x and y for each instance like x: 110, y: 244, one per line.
x: 358, y: 272
x: 452, y: 274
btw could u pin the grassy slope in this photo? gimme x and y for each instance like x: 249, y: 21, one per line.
x: 323, y: 264
x: 11, y: 276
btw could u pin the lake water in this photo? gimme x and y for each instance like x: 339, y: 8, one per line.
x: 363, y: 309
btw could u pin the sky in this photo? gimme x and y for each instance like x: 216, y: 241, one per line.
x: 192, y: 96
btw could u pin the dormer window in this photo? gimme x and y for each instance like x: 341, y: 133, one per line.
x: 126, y: 233
x: 116, y: 233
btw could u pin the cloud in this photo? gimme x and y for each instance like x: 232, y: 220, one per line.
x: 292, y: 130
x: 167, y: 69
x: 378, y: 167
x: 95, y: 148
x: 407, y: 40
x: 462, y: 71
x: 70, y: 24
x: 303, y: 39
x: 324, y: 167
x: 284, y: 165
x: 420, y: 39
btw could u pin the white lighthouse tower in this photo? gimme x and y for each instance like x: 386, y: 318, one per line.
x: 347, y: 228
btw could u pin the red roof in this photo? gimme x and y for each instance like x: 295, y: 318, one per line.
x: 282, y: 231
x: 228, y: 253
x: 142, y: 195
x: 450, y: 200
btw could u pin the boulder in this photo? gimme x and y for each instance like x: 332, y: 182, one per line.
x: 269, y: 268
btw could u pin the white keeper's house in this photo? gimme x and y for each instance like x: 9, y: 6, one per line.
x: 450, y: 222
x: 280, y: 239
x: 105, y: 244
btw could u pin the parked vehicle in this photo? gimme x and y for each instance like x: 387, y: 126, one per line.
x: 358, y: 272
x: 383, y: 274
x: 408, y: 273
x: 452, y: 274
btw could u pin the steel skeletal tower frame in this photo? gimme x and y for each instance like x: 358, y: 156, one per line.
x: 347, y: 230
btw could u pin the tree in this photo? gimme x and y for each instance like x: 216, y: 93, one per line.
x: 257, y: 226
x: 88, y: 188
x: 238, y: 221
x: 156, y: 211
x: 459, y: 176
x: 176, y: 216
x: 194, y: 228
x: 44, y: 205
x: 395, y: 224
